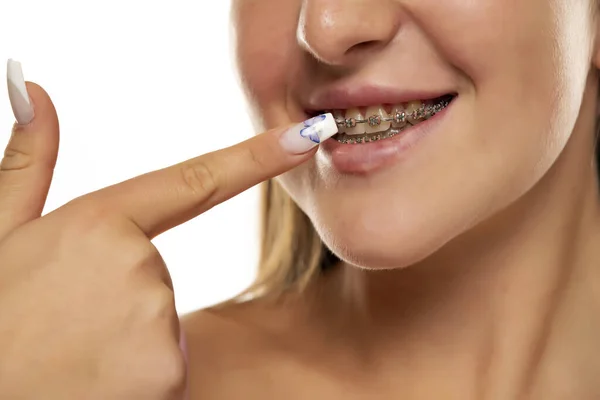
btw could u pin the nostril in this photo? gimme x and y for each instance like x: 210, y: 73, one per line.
x: 364, y: 47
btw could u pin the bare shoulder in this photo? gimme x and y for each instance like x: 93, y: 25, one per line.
x: 230, y: 326
x: 232, y: 348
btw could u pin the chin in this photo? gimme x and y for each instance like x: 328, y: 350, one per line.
x: 390, y: 246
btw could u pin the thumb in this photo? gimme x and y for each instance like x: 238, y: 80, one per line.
x: 30, y: 156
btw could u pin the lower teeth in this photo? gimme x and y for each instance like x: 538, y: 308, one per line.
x: 421, y: 114
x: 368, y: 137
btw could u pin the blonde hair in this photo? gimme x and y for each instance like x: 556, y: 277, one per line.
x: 291, y: 252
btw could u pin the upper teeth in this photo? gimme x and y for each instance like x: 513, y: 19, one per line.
x: 376, y: 119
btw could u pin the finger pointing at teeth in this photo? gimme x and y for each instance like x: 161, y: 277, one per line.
x: 94, y: 254
x: 163, y: 199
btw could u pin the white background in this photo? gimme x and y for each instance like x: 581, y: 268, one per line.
x: 137, y: 85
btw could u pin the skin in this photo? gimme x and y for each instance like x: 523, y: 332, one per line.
x: 489, y: 293
x: 487, y: 250
x: 86, y: 302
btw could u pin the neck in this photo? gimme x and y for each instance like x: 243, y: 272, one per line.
x: 505, y: 309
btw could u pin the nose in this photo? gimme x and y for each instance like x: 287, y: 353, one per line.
x: 342, y: 32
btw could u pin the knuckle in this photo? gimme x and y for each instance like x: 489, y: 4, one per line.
x: 145, y: 261
x: 136, y: 249
x: 15, y: 158
x: 256, y: 158
x: 84, y: 219
x: 164, y: 365
x: 171, y: 373
x: 93, y: 232
x: 162, y: 305
x: 199, y: 178
x: 137, y: 257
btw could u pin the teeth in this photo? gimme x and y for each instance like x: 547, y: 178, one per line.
x: 399, y: 115
x: 376, y: 120
x: 412, y: 108
x: 339, y: 115
x: 428, y: 110
x: 375, y: 123
x: 354, y: 114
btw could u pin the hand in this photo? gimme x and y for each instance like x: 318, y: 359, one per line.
x: 86, y: 302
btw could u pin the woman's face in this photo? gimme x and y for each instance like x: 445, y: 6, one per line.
x: 517, y: 71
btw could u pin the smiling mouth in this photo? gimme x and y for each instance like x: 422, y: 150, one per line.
x: 371, y: 124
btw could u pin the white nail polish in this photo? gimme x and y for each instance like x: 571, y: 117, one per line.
x: 17, y: 93
x: 308, y: 134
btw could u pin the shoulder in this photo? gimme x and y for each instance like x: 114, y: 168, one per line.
x: 224, y: 329
x: 232, y: 347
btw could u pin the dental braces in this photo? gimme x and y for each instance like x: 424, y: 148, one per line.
x: 399, y: 117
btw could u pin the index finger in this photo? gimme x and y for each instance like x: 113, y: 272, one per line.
x: 163, y: 199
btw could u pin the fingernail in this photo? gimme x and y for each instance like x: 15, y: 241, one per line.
x: 17, y: 93
x: 308, y: 134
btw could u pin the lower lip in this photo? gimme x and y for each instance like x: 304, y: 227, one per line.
x: 366, y: 158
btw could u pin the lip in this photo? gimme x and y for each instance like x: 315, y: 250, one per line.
x: 366, y: 158
x: 350, y: 96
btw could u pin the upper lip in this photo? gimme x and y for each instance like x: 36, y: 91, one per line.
x: 342, y: 97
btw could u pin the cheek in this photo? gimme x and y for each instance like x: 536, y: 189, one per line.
x: 526, y: 68
x: 483, y: 37
x: 266, y: 55
x: 506, y: 49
